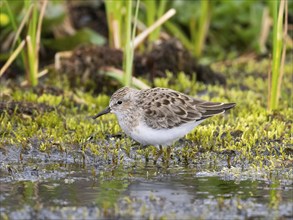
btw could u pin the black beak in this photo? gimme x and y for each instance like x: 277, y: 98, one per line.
x: 105, y: 111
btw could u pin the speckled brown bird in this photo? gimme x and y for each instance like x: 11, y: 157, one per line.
x: 159, y: 116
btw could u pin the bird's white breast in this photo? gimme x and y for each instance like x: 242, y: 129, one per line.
x: 149, y: 136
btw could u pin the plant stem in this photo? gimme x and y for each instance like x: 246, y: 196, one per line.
x: 32, y: 75
x: 204, y: 22
x: 277, y: 50
x: 282, y: 64
x: 115, y: 22
x: 12, y: 57
x: 153, y: 27
x: 127, y: 51
x: 129, y: 46
x: 178, y: 33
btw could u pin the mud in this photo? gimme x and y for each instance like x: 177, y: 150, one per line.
x: 27, y: 108
x: 86, y: 62
x: 80, y: 185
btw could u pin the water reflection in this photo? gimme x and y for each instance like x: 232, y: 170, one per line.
x: 173, y: 187
x: 186, y: 188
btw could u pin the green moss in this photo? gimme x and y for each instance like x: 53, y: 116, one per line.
x: 248, y: 133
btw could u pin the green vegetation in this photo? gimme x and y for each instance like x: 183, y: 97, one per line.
x: 280, y: 13
x: 153, y: 11
x: 129, y: 47
x: 116, y: 22
x: 260, y: 139
x: 24, y: 21
x: 198, y: 24
x: 33, y: 18
x: 121, y: 36
x: 50, y: 146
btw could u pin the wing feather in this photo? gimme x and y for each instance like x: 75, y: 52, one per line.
x: 166, y: 108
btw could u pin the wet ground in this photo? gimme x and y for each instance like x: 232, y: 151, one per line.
x: 58, y: 163
x: 36, y: 185
x: 236, y: 168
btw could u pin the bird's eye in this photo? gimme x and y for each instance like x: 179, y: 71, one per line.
x: 119, y: 102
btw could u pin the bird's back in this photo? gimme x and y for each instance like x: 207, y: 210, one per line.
x: 165, y: 108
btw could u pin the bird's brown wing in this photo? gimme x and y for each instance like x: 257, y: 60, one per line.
x: 166, y: 108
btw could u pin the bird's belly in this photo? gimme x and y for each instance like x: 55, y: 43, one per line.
x: 149, y: 136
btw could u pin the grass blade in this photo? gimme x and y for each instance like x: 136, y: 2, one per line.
x: 12, y: 57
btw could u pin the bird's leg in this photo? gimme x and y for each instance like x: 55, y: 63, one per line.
x: 159, y: 153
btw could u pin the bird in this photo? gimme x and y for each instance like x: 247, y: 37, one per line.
x: 159, y: 116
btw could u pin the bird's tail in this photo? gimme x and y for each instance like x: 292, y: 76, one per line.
x: 209, y: 109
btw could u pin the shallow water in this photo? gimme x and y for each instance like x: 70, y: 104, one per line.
x: 141, y: 191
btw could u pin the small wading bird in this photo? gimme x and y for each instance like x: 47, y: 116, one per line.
x: 159, y: 116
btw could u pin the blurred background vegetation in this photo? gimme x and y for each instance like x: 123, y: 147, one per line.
x: 34, y: 32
